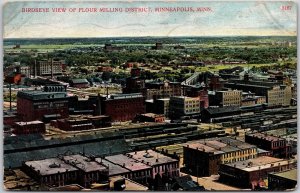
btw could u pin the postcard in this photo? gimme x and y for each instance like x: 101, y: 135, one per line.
x: 150, y: 95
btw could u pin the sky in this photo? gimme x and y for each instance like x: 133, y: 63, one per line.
x: 224, y: 19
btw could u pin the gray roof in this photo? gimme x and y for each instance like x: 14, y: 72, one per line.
x: 100, y: 148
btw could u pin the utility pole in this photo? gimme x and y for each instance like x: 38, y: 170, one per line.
x: 197, y: 174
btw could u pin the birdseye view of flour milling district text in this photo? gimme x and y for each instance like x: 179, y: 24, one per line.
x: 150, y: 96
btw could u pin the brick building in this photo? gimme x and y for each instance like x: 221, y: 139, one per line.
x: 52, y: 172
x: 40, y: 105
x: 66, y: 170
x: 276, y: 145
x: 150, y: 117
x: 123, y: 107
x: 216, y: 83
x: 137, y: 170
x: 198, y: 91
x: 161, y: 165
x: 79, y: 83
x: 204, y: 156
x: 162, y: 89
x: 90, y: 171
x: 31, y: 127
x: 249, y: 173
x: 281, y: 181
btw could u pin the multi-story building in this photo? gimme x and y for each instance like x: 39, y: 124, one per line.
x: 52, y: 171
x: 249, y: 173
x: 90, y: 171
x: 165, y: 89
x: 137, y: 170
x: 276, y: 145
x: 204, y: 157
x: 275, y: 92
x: 161, y: 106
x: 183, y: 106
x: 280, y: 181
x: 161, y: 165
x: 51, y: 103
x: 47, y: 68
x: 198, y: 91
x: 226, y: 98
x: 216, y: 83
x: 279, y: 96
x: 123, y: 107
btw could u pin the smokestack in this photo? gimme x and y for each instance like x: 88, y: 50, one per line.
x: 52, y: 68
x: 10, y: 96
x: 34, y: 68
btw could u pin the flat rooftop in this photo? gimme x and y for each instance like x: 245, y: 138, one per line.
x: 219, y: 145
x: 29, y: 123
x: 50, y: 166
x: 204, y: 148
x: 151, y: 157
x: 83, y: 163
x: 113, y: 169
x: 291, y: 174
x: 259, y: 163
x: 265, y: 136
x: 127, y: 162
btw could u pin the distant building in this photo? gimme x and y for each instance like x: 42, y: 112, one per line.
x: 226, y: 98
x: 249, y: 173
x: 104, y: 69
x: 276, y: 93
x: 13, y: 78
x: 155, y: 90
x: 198, y: 91
x: 208, y: 115
x: 123, y: 107
x: 52, y: 103
x: 134, y: 84
x: 79, y: 83
x: 90, y: 171
x: 109, y: 47
x: 216, y: 83
x: 158, y: 46
x: 137, y: 171
x: 282, y: 181
x: 276, y: 145
x: 73, y: 124
x: 20, y: 128
x: 179, y: 47
x: 52, y: 172
x: 47, y: 68
x: 161, y: 165
x: 150, y: 117
x: 204, y: 156
x: 161, y: 106
x: 183, y: 106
